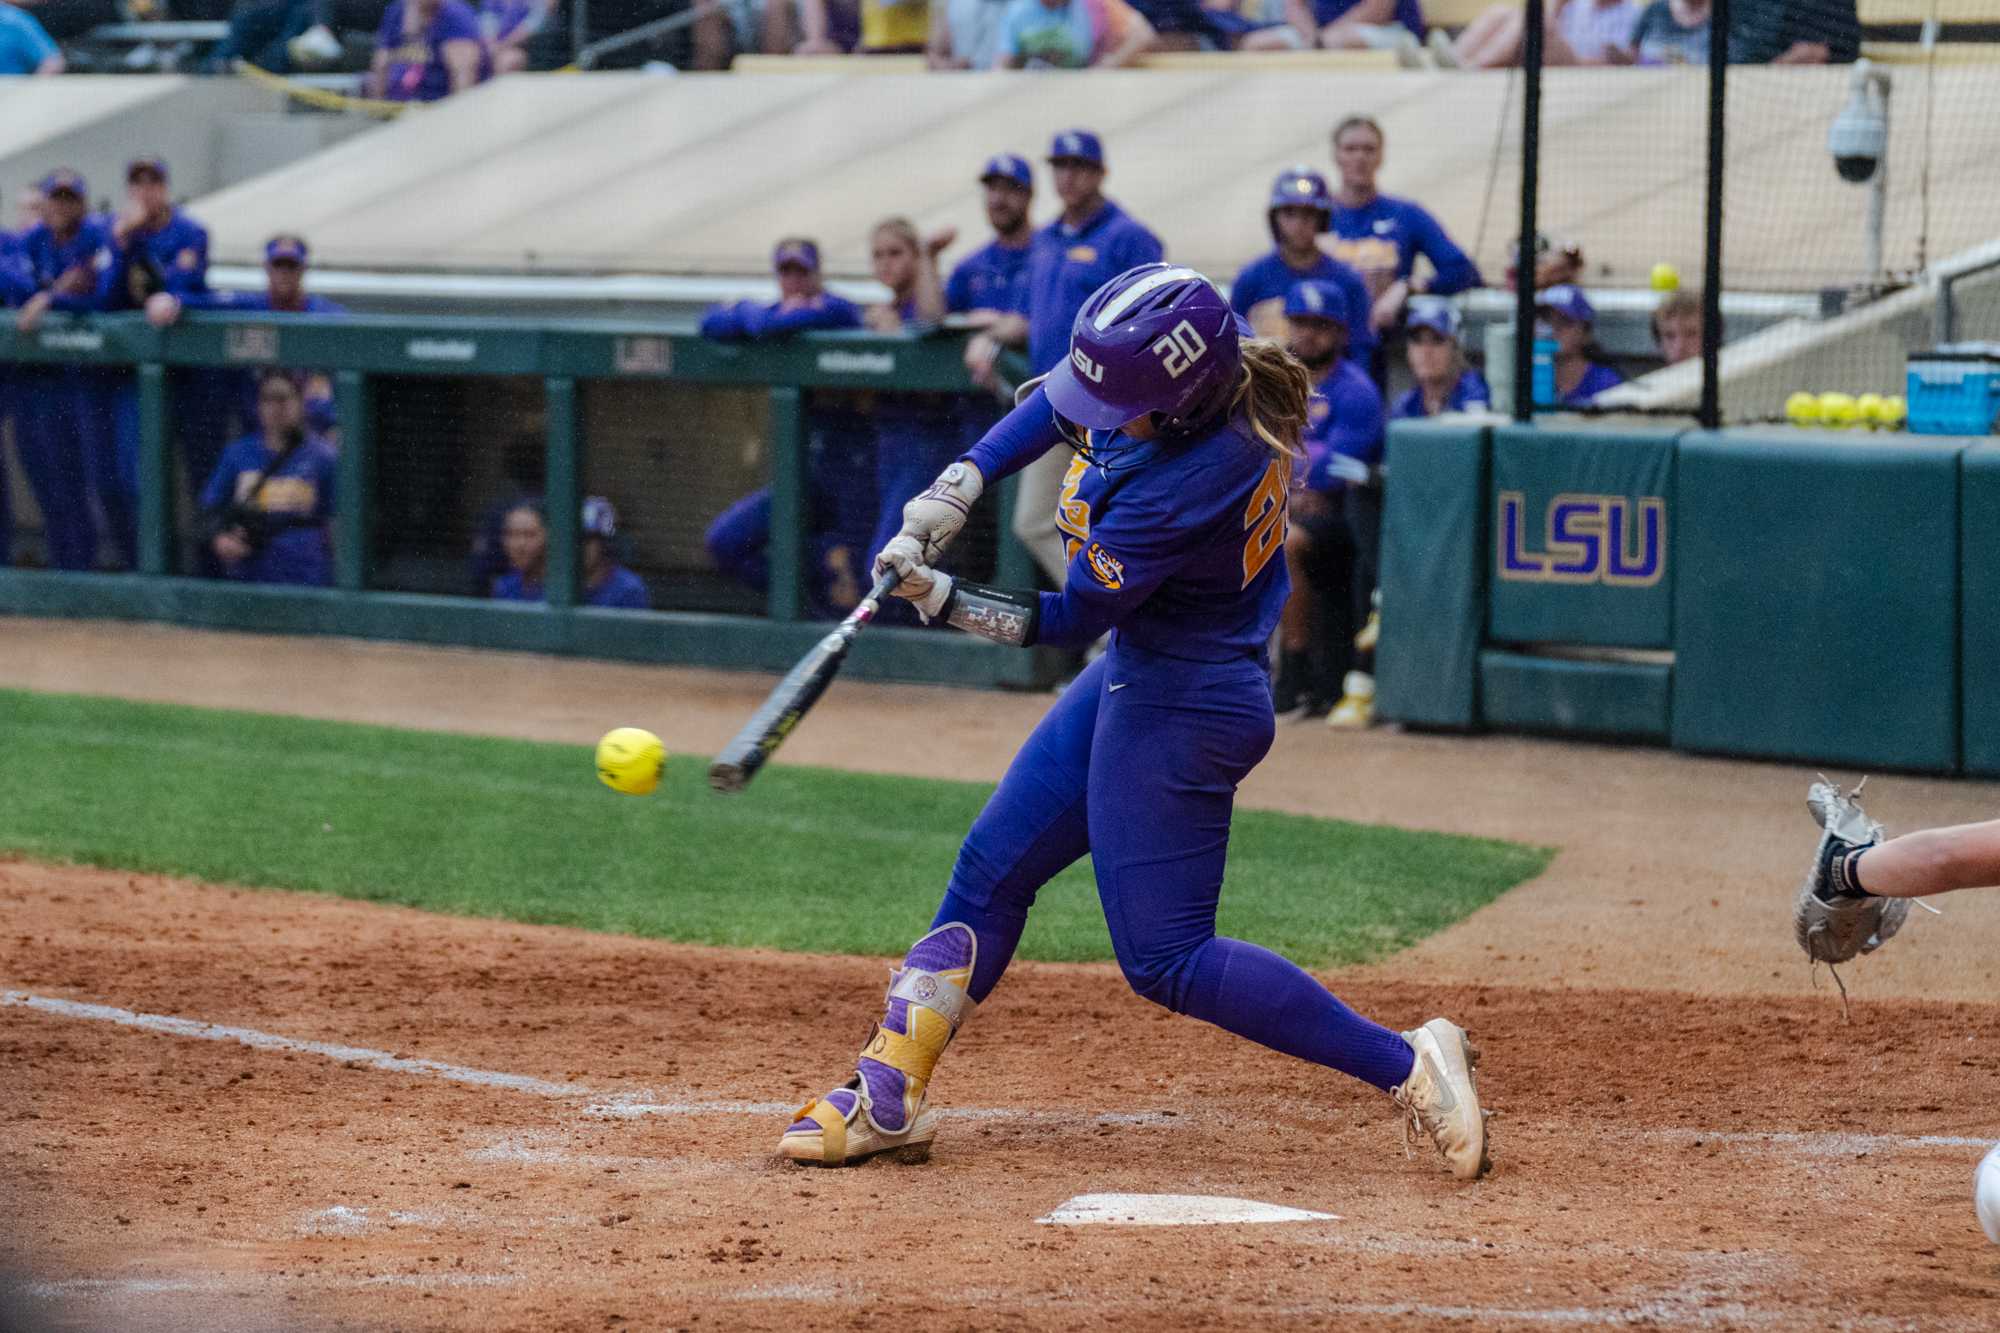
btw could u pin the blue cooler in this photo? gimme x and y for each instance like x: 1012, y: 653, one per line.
x: 1955, y: 390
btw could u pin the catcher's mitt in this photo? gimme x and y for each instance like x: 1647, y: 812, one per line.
x: 1833, y: 922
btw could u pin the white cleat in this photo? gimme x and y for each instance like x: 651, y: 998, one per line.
x: 1442, y: 1101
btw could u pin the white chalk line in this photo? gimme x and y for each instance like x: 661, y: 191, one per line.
x: 608, y: 1106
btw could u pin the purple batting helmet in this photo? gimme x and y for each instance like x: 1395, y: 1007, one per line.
x: 1299, y: 187
x: 1156, y: 340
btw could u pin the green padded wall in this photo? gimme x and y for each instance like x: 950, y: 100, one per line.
x: 1615, y: 700
x: 1433, y: 574
x: 1582, y: 527
x: 1979, y: 590
x: 1816, y: 603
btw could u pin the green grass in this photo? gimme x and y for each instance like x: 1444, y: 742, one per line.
x: 808, y: 859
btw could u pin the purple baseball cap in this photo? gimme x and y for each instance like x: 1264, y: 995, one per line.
x: 1567, y: 301
x: 1433, y: 313
x: 285, y: 250
x: 139, y: 165
x: 1316, y: 298
x: 64, y: 181
x: 797, y: 252
x: 1010, y: 167
x: 1076, y: 146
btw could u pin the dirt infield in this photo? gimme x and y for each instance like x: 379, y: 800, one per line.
x: 422, y: 1122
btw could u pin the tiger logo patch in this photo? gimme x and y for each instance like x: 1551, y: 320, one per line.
x: 1105, y: 567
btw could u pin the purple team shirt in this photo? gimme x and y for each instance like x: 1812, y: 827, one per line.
x: 417, y: 71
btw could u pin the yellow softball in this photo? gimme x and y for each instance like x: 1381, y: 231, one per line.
x: 630, y: 760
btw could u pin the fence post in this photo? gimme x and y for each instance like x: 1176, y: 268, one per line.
x: 1710, y: 412
x: 1524, y: 255
x: 156, y: 513
x: 565, y: 491
x: 354, y: 482
x: 788, y: 502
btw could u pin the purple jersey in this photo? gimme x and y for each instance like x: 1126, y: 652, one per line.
x: 1066, y: 264
x: 1179, y: 547
x: 172, y: 257
x: 1408, y: 13
x: 1470, y: 394
x: 416, y: 70
x: 1344, y: 429
x: 1382, y: 239
x: 1271, y: 277
x: 1597, y: 377
x: 49, y: 259
x: 298, y: 495
x: 993, y: 277
x: 619, y: 590
x: 17, y: 279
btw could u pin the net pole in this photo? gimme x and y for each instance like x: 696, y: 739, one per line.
x: 1524, y: 255
x: 1710, y: 412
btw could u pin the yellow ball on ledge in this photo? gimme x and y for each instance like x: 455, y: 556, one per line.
x: 630, y: 760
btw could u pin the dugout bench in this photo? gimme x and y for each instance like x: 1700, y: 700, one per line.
x: 1823, y: 597
x: 655, y: 408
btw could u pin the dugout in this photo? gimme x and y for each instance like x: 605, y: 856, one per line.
x: 441, y: 421
x: 1824, y: 597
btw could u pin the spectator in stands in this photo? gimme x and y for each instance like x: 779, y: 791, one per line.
x: 426, y: 50
x: 840, y: 494
x: 505, y: 26
x: 1677, y: 327
x: 271, y: 497
x: 1580, y: 376
x: 25, y: 45
x: 277, y: 35
x: 803, y: 301
x: 1300, y: 209
x: 1575, y: 32
x: 969, y: 35
x: 1092, y: 241
x: 866, y: 27
x: 1444, y: 383
x: 61, y: 417
x: 1668, y: 32
x: 988, y: 289
x: 1053, y: 34
x: 1380, y: 237
x: 1336, y: 511
x: 606, y: 583
x: 1793, y: 32
x: 1338, y: 24
x: 1174, y: 25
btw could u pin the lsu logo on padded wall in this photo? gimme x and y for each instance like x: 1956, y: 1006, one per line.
x: 1089, y: 369
x: 1616, y: 540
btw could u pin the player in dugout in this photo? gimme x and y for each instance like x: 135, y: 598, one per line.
x: 62, y: 412
x: 1089, y: 243
x: 1299, y: 211
x: 841, y: 492
x: 1381, y: 237
x: 1336, y: 518
x: 1179, y: 426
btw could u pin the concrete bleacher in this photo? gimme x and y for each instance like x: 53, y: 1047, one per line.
x: 698, y: 174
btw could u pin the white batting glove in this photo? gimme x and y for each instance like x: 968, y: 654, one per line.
x: 935, y: 516
x: 921, y: 585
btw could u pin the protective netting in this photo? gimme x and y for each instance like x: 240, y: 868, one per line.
x: 449, y: 453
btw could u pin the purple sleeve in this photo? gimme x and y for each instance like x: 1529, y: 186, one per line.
x: 958, y: 289
x: 1354, y: 430
x: 1017, y: 439
x: 185, y: 282
x: 456, y: 23
x: 390, y: 33
x: 1131, y: 551
x: 771, y: 322
x: 723, y: 321
x: 1455, y: 270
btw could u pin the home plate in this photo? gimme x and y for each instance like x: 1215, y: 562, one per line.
x: 1173, y: 1210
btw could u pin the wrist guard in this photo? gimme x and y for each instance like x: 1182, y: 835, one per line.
x: 999, y: 614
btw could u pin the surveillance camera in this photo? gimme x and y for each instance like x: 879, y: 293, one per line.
x: 1860, y: 133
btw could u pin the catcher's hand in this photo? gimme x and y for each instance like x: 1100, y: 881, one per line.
x: 1834, y: 922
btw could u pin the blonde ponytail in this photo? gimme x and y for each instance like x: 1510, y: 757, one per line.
x: 1273, y: 392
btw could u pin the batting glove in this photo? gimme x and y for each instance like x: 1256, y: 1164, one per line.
x: 921, y: 585
x: 934, y: 517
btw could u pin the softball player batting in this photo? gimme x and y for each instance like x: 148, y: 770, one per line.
x: 1173, y: 513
